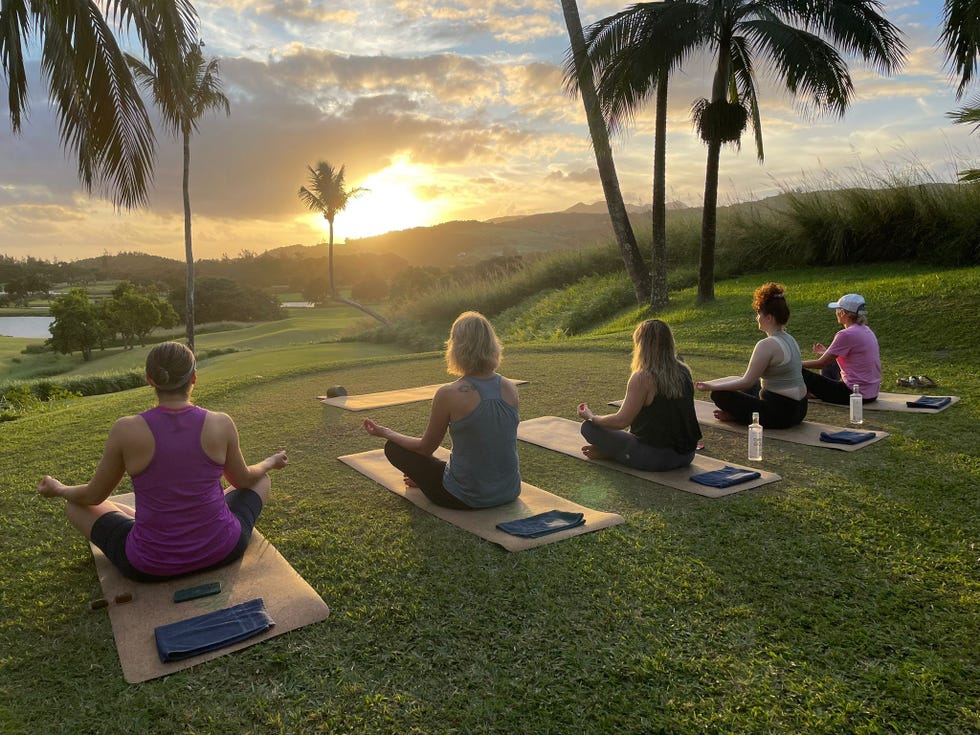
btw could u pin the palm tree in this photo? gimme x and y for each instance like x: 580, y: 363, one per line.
x: 101, y: 116
x: 327, y: 195
x: 622, y: 228
x: 182, y: 101
x: 790, y: 36
x: 961, y: 38
x: 632, y: 55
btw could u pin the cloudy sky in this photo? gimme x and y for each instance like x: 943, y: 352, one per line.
x: 444, y: 110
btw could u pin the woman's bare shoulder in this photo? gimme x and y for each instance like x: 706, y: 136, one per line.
x: 450, y: 389
x: 219, y: 421
x: 129, y: 423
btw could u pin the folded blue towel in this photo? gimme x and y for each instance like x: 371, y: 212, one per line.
x: 725, y: 477
x: 542, y: 524
x: 930, y: 402
x: 212, y: 631
x: 846, y: 437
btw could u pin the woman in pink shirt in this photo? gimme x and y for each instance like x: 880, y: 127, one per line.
x: 852, y: 357
x: 176, y: 454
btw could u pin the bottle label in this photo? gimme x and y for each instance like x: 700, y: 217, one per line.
x: 755, y: 443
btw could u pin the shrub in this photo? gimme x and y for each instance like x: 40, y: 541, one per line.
x: 21, y: 400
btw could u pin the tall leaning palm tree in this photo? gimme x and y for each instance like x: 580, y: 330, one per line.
x: 799, y: 41
x: 327, y: 194
x: 623, y: 230
x: 101, y: 116
x: 632, y: 55
x: 182, y: 101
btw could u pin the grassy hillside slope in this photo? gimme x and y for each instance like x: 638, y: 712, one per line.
x: 844, y: 598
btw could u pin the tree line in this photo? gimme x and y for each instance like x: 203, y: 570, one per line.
x: 131, y: 313
x: 296, y: 268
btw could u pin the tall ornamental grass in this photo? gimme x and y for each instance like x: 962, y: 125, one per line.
x: 906, y: 218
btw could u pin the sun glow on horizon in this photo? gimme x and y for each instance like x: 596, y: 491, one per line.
x: 388, y: 203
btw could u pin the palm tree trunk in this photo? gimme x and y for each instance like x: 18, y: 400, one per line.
x: 658, y: 263
x: 709, y: 212
x: 709, y: 225
x: 188, y: 246
x: 618, y: 216
x: 361, y: 307
x: 333, y: 290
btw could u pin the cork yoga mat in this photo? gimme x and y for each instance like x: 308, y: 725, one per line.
x: 563, y: 435
x: 483, y: 522
x: 261, y: 573
x: 807, y: 433
x: 368, y: 401
x: 897, y: 402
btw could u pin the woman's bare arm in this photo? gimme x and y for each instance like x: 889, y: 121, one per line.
x: 434, y: 433
x: 107, y: 475
x: 761, y: 358
x: 236, y: 471
x: 637, y: 389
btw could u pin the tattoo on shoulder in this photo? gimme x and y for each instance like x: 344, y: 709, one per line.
x: 464, y: 387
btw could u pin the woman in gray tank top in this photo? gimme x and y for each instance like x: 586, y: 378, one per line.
x: 775, y: 363
x: 480, y: 413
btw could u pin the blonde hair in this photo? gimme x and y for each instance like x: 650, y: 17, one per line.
x: 654, y: 352
x: 171, y: 365
x: 472, y: 346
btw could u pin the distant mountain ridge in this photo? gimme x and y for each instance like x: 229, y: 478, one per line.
x: 449, y: 243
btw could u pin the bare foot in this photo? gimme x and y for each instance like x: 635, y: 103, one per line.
x: 409, y: 482
x: 592, y: 453
x: 723, y: 415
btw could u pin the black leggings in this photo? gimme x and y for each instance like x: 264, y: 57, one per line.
x: 829, y: 390
x: 775, y: 411
x: 425, y: 471
x: 625, y: 448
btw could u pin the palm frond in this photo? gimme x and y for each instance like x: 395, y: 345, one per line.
x: 743, y: 79
x: 100, y: 113
x: 856, y: 27
x: 809, y: 67
x: 968, y: 115
x: 961, y: 38
x: 629, y: 51
x: 327, y: 192
x: 15, y: 28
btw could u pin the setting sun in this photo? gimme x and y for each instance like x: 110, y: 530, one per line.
x: 388, y: 203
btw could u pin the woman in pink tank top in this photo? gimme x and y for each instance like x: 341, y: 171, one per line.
x: 176, y: 454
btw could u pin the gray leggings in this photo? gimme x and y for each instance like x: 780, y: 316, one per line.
x: 626, y: 449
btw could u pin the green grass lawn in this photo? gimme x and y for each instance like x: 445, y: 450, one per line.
x: 843, y: 599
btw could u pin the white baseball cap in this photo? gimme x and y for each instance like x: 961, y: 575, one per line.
x: 851, y: 302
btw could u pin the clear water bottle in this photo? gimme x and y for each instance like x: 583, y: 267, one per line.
x: 857, y: 406
x: 755, y: 439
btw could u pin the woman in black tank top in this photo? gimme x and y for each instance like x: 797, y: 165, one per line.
x: 658, y: 409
